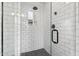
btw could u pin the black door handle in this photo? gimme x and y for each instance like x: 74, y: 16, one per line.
x: 57, y: 39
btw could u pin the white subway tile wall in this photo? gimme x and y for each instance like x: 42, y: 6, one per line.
x: 31, y: 35
x: 77, y: 29
x: 65, y: 24
x: 46, y: 25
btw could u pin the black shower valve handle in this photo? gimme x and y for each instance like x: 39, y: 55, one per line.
x: 57, y: 41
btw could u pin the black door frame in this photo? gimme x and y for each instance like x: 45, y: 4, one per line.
x: 2, y: 28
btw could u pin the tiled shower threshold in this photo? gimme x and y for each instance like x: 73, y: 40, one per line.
x: 39, y: 52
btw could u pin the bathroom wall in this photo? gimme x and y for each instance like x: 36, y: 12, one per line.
x: 9, y: 29
x: 31, y: 35
x: 46, y: 25
x: 77, y: 29
x: 65, y: 24
x: 0, y: 28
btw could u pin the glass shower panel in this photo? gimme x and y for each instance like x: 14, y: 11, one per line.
x: 63, y: 16
x: 9, y: 13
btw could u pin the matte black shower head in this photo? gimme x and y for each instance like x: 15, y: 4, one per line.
x: 53, y: 26
x: 35, y: 8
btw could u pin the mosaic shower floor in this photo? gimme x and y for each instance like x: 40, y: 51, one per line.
x: 39, y: 52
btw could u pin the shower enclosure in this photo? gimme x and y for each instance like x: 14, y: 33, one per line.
x: 39, y: 28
